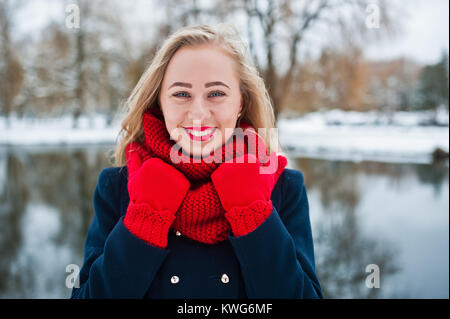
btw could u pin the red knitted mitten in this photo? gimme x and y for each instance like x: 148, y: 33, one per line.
x: 156, y: 191
x: 244, y: 193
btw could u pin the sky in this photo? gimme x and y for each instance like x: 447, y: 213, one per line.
x: 426, y: 33
x: 425, y: 27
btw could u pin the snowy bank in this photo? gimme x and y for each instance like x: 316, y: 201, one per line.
x: 340, y: 135
x: 359, y: 136
x: 59, y: 131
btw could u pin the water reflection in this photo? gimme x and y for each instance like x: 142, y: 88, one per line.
x: 344, y: 247
x: 343, y: 250
x: 46, y: 210
x: 13, y: 198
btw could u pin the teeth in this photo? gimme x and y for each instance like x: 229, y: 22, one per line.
x: 201, y: 133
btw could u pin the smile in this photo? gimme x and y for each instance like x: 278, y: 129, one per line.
x: 200, y: 133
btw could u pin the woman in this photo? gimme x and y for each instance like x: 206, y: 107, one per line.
x: 203, y: 207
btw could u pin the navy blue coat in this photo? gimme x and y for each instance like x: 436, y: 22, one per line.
x: 276, y: 260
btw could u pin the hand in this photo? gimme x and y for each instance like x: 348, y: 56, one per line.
x: 156, y: 191
x: 156, y: 183
x: 240, y: 183
x: 244, y: 192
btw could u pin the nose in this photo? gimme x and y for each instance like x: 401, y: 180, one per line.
x: 199, y: 111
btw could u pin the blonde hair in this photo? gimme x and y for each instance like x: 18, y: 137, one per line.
x: 257, y: 106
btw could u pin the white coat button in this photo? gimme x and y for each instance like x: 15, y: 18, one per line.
x: 178, y: 233
x: 174, y: 280
x: 225, y: 278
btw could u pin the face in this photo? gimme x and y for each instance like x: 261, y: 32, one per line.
x: 200, y: 98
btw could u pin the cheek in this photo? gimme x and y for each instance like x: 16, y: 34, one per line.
x: 229, y: 123
x: 227, y: 119
x: 172, y: 121
x: 172, y: 115
x: 226, y: 123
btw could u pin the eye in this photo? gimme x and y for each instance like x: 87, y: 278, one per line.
x: 213, y: 94
x: 177, y: 94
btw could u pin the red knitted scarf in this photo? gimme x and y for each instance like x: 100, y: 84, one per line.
x: 201, y: 215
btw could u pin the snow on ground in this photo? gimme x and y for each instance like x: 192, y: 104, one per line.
x: 355, y: 136
x: 359, y: 136
x: 60, y: 131
x: 383, y: 143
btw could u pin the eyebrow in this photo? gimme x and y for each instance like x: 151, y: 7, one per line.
x: 189, y: 85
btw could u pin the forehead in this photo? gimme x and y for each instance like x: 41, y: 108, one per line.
x: 200, y: 64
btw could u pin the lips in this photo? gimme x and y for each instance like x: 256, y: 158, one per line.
x: 199, y: 128
x: 202, y: 133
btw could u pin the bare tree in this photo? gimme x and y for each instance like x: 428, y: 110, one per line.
x: 11, y: 70
x: 288, y: 23
x: 80, y: 70
x: 96, y: 77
